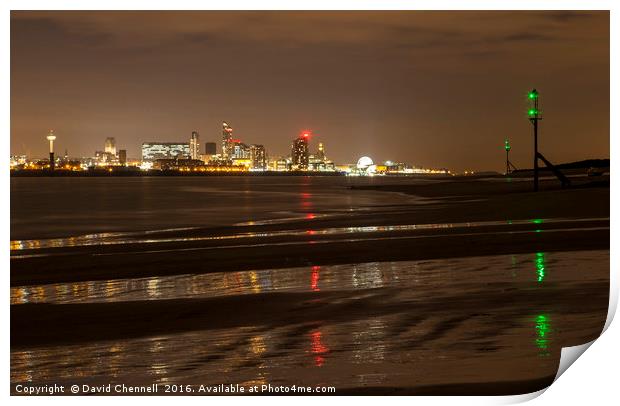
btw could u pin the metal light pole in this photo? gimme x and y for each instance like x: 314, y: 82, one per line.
x: 507, y: 147
x: 51, y: 137
x: 534, y: 116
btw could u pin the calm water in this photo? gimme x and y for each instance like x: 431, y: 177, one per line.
x: 479, y: 319
x: 59, y: 207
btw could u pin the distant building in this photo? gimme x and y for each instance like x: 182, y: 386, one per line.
x: 176, y: 164
x: 227, y: 141
x: 210, y: 148
x: 165, y: 150
x: 320, y: 154
x: 104, y: 158
x: 280, y: 164
x: 299, y: 153
x: 194, y: 146
x: 122, y: 156
x: 239, y: 150
x: 18, y: 160
x: 242, y: 162
x: 258, y: 157
x: 319, y: 161
x: 110, y: 146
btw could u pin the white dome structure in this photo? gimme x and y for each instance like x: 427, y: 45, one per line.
x: 364, y: 163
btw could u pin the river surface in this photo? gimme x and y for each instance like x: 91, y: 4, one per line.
x: 69, y: 206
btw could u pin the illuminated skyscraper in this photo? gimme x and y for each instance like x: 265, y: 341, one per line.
x: 320, y: 154
x: 110, y: 146
x: 227, y: 141
x: 299, y: 153
x: 258, y: 157
x: 194, y: 146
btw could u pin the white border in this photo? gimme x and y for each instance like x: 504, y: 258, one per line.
x: 592, y: 381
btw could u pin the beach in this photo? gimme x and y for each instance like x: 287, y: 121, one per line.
x: 374, y: 286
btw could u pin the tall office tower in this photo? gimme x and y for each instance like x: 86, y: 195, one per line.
x: 110, y: 145
x: 258, y: 157
x: 122, y: 156
x: 299, y: 153
x: 210, y: 148
x: 194, y: 146
x: 227, y: 141
x: 320, y: 154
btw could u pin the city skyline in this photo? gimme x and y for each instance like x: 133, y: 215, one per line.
x: 367, y: 83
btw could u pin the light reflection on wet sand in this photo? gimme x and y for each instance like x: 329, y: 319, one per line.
x: 140, y: 237
x: 412, y: 345
x: 419, y: 274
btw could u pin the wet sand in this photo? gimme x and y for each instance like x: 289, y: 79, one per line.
x: 458, y: 295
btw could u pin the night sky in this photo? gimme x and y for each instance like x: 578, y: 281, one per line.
x: 435, y: 89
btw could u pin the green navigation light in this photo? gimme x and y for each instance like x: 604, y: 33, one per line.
x: 507, y: 145
x: 532, y: 112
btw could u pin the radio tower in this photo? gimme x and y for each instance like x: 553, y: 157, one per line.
x: 51, y: 137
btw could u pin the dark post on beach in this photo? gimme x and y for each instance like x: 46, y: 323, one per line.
x: 534, y: 115
x: 507, y: 147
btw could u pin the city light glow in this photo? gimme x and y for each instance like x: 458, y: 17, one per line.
x: 235, y: 157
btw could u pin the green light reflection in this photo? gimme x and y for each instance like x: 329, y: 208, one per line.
x: 540, y: 266
x: 543, y: 332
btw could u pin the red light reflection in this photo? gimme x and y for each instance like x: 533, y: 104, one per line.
x: 318, y: 348
x: 314, y: 279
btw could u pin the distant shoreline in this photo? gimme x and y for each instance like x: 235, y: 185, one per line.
x: 151, y: 173
x: 140, y: 173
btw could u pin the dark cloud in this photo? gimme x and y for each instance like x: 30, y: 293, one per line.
x: 528, y: 37
x: 568, y: 16
x: 43, y: 30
